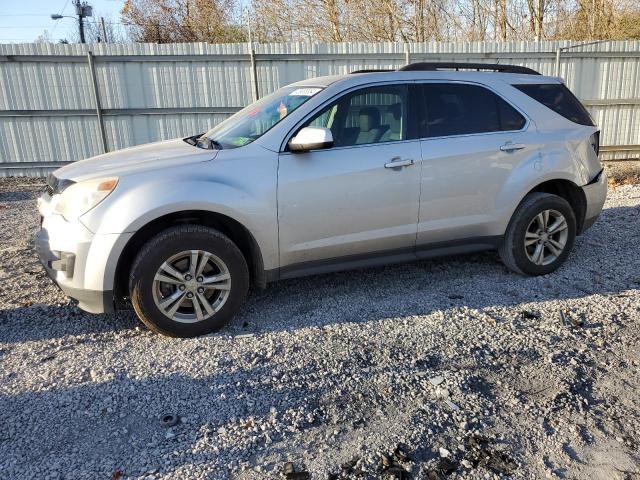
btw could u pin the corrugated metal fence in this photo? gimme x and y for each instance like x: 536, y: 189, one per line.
x: 61, y: 103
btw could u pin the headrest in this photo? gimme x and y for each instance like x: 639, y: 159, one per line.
x: 395, y: 110
x: 369, y: 118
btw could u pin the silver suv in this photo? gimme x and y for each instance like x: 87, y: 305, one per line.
x: 327, y: 174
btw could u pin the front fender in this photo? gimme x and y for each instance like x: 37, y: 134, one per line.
x: 246, y: 194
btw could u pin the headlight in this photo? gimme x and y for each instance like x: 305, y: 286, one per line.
x: 81, y: 197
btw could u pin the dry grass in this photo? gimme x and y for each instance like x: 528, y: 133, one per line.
x: 623, y: 173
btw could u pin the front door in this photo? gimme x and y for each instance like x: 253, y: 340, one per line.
x: 358, y: 199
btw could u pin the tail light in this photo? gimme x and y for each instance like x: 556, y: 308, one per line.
x: 595, y: 142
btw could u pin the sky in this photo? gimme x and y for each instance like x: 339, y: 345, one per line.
x: 23, y: 21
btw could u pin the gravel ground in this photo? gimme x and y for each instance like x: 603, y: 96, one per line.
x: 450, y: 368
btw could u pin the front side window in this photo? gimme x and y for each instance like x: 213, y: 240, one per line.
x: 253, y: 121
x: 368, y: 116
x: 460, y: 109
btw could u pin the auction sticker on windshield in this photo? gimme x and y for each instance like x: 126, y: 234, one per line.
x: 305, y: 92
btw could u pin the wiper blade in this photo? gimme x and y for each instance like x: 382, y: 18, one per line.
x: 206, y: 142
x: 201, y: 141
x: 193, y: 140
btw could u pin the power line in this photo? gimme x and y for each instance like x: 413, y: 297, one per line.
x: 136, y: 24
x: 61, y: 12
x: 23, y: 15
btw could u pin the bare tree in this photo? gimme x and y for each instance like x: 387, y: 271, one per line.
x: 381, y: 20
x: 165, y: 21
x: 93, y: 30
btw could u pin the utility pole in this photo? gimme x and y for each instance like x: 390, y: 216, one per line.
x: 104, y: 31
x: 252, y: 60
x: 81, y: 27
x: 83, y: 10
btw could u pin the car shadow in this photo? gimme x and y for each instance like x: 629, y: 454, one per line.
x: 603, y: 262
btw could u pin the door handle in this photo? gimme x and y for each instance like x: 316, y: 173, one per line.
x: 397, y: 162
x: 510, y: 147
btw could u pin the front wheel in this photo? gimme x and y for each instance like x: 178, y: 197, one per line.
x: 540, y: 235
x: 188, y: 280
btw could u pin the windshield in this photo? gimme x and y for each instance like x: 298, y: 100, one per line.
x: 253, y: 121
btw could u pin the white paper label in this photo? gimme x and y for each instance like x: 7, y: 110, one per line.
x: 305, y: 92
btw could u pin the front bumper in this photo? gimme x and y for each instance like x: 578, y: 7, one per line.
x: 595, y: 193
x: 66, y: 269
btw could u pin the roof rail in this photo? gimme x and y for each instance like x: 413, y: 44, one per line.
x: 371, y: 70
x: 495, y: 67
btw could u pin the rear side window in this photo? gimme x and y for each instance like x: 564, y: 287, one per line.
x: 558, y: 98
x: 459, y: 109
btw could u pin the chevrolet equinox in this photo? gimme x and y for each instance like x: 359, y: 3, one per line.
x: 327, y: 174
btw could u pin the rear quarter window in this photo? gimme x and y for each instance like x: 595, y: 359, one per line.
x: 558, y: 98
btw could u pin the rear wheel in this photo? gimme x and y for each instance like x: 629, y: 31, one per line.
x: 540, y: 235
x: 188, y: 280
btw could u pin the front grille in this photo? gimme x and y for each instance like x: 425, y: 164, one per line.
x: 52, y: 183
x: 56, y: 185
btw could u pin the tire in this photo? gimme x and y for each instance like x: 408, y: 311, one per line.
x: 525, y: 225
x: 156, y: 288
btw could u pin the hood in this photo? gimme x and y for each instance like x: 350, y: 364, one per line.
x: 163, y: 154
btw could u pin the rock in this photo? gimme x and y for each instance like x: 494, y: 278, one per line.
x: 571, y: 318
x: 442, y: 393
x: 288, y: 468
x: 530, y: 315
x: 397, y: 472
x: 452, y: 406
x: 400, y: 454
x: 447, y: 466
x: 117, y: 474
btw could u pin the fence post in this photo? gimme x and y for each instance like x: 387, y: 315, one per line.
x: 96, y: 96
x: 254, y: 72
x: 407, y: 58
x: 558, y: 53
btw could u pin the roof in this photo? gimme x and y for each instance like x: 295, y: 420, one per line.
x: 473, y: 72
x: 319, y: 81
x: 479, y: 67
x: 468, y: 76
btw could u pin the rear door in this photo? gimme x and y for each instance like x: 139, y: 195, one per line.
x: 359, y: 198
x: 471, y: 140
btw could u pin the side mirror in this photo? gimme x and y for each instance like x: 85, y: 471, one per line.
x: 311, y: 138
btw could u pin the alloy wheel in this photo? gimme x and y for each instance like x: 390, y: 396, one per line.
x: 546, y: 237
x: 191, y: 286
